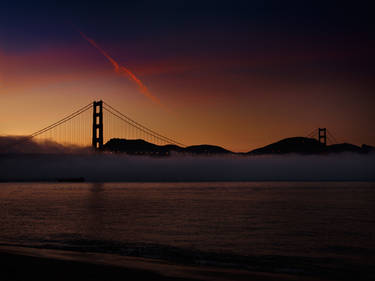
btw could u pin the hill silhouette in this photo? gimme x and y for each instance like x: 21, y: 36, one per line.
x: 140, y: 146
x: 299, y: 145
x: 302, y: 145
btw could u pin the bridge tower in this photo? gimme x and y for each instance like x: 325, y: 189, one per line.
x: 322, y: 135
x: 97, y: 125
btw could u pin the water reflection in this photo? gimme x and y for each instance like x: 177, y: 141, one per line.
x: 97, y: 187
x: 96, y: 210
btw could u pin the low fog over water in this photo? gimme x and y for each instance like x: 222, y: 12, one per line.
x: 50, y: 161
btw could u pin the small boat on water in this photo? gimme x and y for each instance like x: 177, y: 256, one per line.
x: 79, y: 179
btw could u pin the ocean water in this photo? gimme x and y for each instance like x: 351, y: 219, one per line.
x: 321, y: 229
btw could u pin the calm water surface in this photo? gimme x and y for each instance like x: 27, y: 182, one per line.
x: 308, y: 228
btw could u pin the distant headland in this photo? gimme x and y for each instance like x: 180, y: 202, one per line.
x: 297, y: 145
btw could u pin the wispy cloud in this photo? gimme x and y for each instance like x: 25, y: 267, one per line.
x: 122, y: 70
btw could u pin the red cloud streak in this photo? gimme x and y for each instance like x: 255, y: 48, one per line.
x: 122, y: 70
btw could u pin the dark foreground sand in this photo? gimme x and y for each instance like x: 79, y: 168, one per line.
x: 19, y: 263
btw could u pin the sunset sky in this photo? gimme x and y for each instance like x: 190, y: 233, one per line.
x: 239, y: 74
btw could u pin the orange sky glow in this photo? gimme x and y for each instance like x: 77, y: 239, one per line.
x: 229, y: 84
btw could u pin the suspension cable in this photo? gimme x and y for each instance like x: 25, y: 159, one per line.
x: 65, y: 119
x: 141, y: 128
x: 312, y: 133
x: 144, y: 128
x: 332, y: 136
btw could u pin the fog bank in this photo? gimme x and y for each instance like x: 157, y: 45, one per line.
x: 121, y: 167
x: 25, y: 144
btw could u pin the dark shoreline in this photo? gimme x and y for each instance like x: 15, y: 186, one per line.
x: 185, y: 181
x: 20, y: 263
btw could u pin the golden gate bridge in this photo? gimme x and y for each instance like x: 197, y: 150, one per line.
x: 94, y: 128
x: 84, y: 128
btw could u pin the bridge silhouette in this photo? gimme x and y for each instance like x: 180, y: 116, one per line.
x: 324, y: 136
x: 106, y: 122
x: 85, y: 128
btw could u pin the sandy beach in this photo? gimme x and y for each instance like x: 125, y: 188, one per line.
x: 19, y: 263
